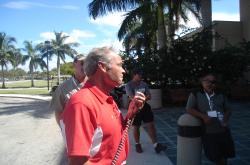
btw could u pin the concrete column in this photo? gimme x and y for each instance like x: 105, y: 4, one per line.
x: 156, y: 98
x: 245, y: 18
x: 206, y: 12
x: 189, y: 140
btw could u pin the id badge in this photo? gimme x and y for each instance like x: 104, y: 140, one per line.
x: 212, y: 113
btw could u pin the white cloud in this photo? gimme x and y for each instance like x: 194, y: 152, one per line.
x: 193, y: 23
x: 113, y: 19
x: 74, y: 36
x: 225, y: 16
x: 17, y: 5
x: 47, y: 35
x: 215, y: 16
x: 27, y: 5
x: 77, y: 34
x: 85, y: 48
x: 117, y: 45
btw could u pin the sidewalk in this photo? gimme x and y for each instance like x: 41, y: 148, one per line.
x: 40, y: 97
x: 148, y: 157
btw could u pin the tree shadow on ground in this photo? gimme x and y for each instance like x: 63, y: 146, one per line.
x: 33, y: 107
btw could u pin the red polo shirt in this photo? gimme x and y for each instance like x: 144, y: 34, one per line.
x: 92, y: 124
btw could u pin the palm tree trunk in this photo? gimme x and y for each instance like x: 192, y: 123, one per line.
x: 161, y: 33
x: 14, y: 71
x: 171, y: 25
x: 32, y: 78
x: 206, y: 15
x: 48, y: 70
x: 58, y: 69
x: 3, y: 85
x: 170, y: 34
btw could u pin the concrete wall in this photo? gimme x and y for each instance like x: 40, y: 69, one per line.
x: 230, y: 31
x: 245, y: 18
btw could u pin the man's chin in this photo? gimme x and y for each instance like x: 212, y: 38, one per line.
x: 119, y: 83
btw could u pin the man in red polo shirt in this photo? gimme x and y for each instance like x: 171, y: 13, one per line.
x: 92, y: 123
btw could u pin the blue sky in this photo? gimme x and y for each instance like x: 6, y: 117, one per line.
x: 36, y: 20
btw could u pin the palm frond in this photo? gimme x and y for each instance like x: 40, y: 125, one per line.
x: 102, y: 7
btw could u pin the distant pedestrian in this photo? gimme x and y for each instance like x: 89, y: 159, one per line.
x: 65, y: 90
x: 213, y: 109
x: 145, y: 114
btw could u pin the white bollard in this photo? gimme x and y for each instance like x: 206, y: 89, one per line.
x: 156, y: 98
x: 189, y: 140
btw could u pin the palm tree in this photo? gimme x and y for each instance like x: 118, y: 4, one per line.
x: 46, y: 52
x: 139, y: 28
x: 17, y: 56
x: 6, y: 53
x: 35, y: 59
x: 102, y: 7
x: 178, y: 10
x: 159, y: 9
x: 60, y: 49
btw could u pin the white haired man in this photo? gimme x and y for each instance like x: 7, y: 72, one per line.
x: 92, y: 122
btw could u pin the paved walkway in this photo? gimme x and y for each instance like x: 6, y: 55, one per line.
x: 40, y: 97
x: 166, y: 124
x: 148, y: 157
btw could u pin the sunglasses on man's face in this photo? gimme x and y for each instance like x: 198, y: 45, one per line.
x: 210, y: 81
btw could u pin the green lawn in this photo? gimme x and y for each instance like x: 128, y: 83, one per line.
x: 27, y: 84
x: 25, y: 87
x: 28, y: 91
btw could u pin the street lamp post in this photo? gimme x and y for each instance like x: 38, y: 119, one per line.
x: 47, y: 45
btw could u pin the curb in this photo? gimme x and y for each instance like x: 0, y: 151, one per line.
x: 38, y: 97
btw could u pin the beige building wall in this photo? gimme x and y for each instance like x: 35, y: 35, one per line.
x: 245, y: 18
x: 230, y: 32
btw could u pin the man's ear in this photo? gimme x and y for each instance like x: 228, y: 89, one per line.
x: 102, y: 66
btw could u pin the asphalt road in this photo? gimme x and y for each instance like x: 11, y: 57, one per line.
x: 29, y: 134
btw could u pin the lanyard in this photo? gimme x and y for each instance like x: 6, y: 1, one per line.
x: 209, y: 100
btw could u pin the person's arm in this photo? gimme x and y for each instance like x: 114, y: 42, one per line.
x: 79, y: 126
x: 78, y: 160
x: 135, y: 104
x: 57, y: 103
x: 191, y: 109
x: 206, y: 119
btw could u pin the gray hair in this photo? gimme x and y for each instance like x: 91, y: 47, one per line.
x: 97, y: 55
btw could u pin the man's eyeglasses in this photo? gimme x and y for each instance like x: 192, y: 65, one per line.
x: 210, y: 81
